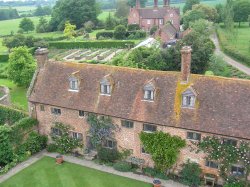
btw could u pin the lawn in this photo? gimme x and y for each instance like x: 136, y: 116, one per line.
x: 46, y: 173
x: 7, y: 26
x: 17, y: 94
x: 105, y: 14
x: 240, y: 41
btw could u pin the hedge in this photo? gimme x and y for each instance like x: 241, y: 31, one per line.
x: 105, y: 34
x: 10, y: 115
x: 133, y: 27
x: 4, y: 57
x: 229, y: 50
x: 91, y: 44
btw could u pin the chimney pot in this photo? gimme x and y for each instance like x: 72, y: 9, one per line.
x: 41, y: 57
x: 186, y: 57
x: 155, y: 3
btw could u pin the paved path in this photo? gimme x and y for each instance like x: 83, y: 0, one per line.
x: 227, y: 59
x: 90, y: 164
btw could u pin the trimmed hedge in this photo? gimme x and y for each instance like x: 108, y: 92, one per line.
x: 105, y: 34
x: 10, y: 115
x: 229, y: 50
x: 91, y: 44
x: 133, y: 27
x: 4, y: 57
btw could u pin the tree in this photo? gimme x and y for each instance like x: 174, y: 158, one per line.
x: 21, y: 66
x: 220, y: 11
x: 228, y: 16
x: 131, y: 3
x: 110, y: 22
x: 69, y: 30
x: 241, y: 10
x: 6, y: 151
x: 189, y: 4
x: 42, y: 26
x: 42, y: 11
x: 191, y: 16
x: 76, y: 12
x: 120, y: 32
x: 89, y: 25
x: 248, y: 20
x: 190, y: 174
x: 27, y: 25
x: 210, y: 12
x: 122, y: 9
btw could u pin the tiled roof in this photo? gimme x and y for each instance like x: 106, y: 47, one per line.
x: 222, y: 104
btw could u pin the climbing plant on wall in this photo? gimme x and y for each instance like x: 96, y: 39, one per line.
x: 163, y: 148
x: 101, y: 128
x: 226, y: 155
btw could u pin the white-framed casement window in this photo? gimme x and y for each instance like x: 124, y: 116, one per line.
x: 42, y: 108
x: 161, y: 21
x: 193, y: 136
x: 77, y: 135
x: 56, y: 111
x: 73, y: 84
x: 237, y: 170
x: 149, y: 92
x: 105, y: 87
x: 110, y: 144
x: 211, y: 164
x: 56, y: 131
x: 127, y: 124
x: 188, y: 99
x: 149, y: 127
x: 172, y: 21
x: 148, y: 21
x: 81, y: 113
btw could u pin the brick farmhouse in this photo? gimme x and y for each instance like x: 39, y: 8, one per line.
x: 166, y: 19
x: 180, y: 103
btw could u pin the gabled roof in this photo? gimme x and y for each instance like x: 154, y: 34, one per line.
x: 222, y: 104
x: 152, y: 13
x: 169, y: 29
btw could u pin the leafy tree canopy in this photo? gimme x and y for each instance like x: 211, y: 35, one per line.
x: 21, y: 66
x: 189, y: 4
x: 132, y: 3
x: 77, y: 12
x: 241, y: 10
x: 27, y: 25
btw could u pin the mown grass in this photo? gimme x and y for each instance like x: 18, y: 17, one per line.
x: 7, y: 26
x: 105, y: 14
x: 46, y: 173
x: 17, y: 94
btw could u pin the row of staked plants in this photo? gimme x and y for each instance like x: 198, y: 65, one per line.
x: 18, y: 138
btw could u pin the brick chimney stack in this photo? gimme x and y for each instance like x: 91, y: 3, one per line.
x: 41, y: 57
x: 166, y: 3
x: 138, y: 4
x: 186, y: 53
x: 155, y: 3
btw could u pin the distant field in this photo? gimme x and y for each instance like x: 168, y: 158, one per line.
x: 13, y: 25
x: 105, y: 14
x: 241, y: 42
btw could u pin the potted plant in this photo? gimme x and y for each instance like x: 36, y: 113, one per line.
x: 157, y: 183
x: 59, y: 159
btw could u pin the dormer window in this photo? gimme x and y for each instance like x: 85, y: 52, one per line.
x: 105, y: 87
x: 188, y: 98
x: 73, y: 84
x: 149, y: 92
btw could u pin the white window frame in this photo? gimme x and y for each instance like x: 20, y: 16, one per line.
x: 81, y: 113
x: 149, y: 131
x: 188, y: 101
x: 127, y: 124
x: 105, y: 89
x: 55, y: 111
x: 149, y: 95
x: 56, y: 131
x: 73, y: 84
x: 161, y: 21
x: 148, y: 21
x: 77, y: 135
x: 195, y: 136
x: 106, y: 144
x: 237, y: 173
x: 209, y: 163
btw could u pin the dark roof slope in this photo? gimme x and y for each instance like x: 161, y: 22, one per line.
x: 222, y: 107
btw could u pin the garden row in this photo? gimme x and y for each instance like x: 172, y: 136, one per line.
x: 91, y: 44
x: 18, y: 139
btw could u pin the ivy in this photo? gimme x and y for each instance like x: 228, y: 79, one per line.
x: 65, y: 143
x: 6, y: 151
x: 163, y: 148
x: 101, y: 128
x: 226, y: 155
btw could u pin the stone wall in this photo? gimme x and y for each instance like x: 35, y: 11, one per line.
x: 5, y: 99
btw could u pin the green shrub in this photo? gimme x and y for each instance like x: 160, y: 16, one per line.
x: 52, y: 148
x: 190, y: 174
x: 108, y: 155
x: 122, y: 166
x: 10, y: 115
x: 153, y: 30
x: 105, y: 34
x: 120, y: 32
x: 133, y: 27
x: 35, y: 143
x: 4, y: 57
x: 154, y: 173
x: 91, y: 44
